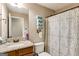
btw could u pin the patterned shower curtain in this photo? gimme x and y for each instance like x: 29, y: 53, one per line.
x: 63, y: 33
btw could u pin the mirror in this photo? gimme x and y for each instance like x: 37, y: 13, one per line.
x: 18, y: 22
x: 12, y: 12
x: 16, y: 28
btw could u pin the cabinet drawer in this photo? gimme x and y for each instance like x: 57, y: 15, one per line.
x: 21, y: 52
x: 25, y: 51
x: 30, y: 54
x: 12, y: 53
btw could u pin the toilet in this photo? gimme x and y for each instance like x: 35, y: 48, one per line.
x: 39, y: 49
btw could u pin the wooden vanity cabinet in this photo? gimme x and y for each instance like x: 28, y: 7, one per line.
x: 22, y: 52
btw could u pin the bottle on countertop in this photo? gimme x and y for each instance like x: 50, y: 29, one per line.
x: 26, y: 34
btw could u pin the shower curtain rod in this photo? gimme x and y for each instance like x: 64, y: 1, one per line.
x: 63, y: 11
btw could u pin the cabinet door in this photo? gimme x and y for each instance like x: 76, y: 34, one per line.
x: 25, y: 51
x: 21, y: 52
x: 30, y: 54
x: 0, y: 27
x: 12, y: 53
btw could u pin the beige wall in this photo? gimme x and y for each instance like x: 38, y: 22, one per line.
x: 4, y: 20
x: 0, y: 26
x: 34, y: 10
x: 0, y: 17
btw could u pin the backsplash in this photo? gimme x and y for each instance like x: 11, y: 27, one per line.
x: 12, y: 39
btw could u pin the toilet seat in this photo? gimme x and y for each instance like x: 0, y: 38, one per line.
x: 44, y: 54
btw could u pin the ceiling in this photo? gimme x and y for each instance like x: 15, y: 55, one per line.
x: 16, y: 9
x: 58, y: 6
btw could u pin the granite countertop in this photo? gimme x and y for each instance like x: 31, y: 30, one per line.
x: 14, y: 46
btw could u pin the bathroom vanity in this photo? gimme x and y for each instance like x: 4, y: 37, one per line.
x: 21, y: 52
x: 22, y: 48
x: 14, y: 26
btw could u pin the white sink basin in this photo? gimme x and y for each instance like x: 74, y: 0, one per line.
x: 14, y: 44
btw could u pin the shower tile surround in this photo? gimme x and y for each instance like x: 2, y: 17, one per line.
x: 63, y: 34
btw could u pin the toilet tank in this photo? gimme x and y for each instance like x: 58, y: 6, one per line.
x: 39, y: 47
